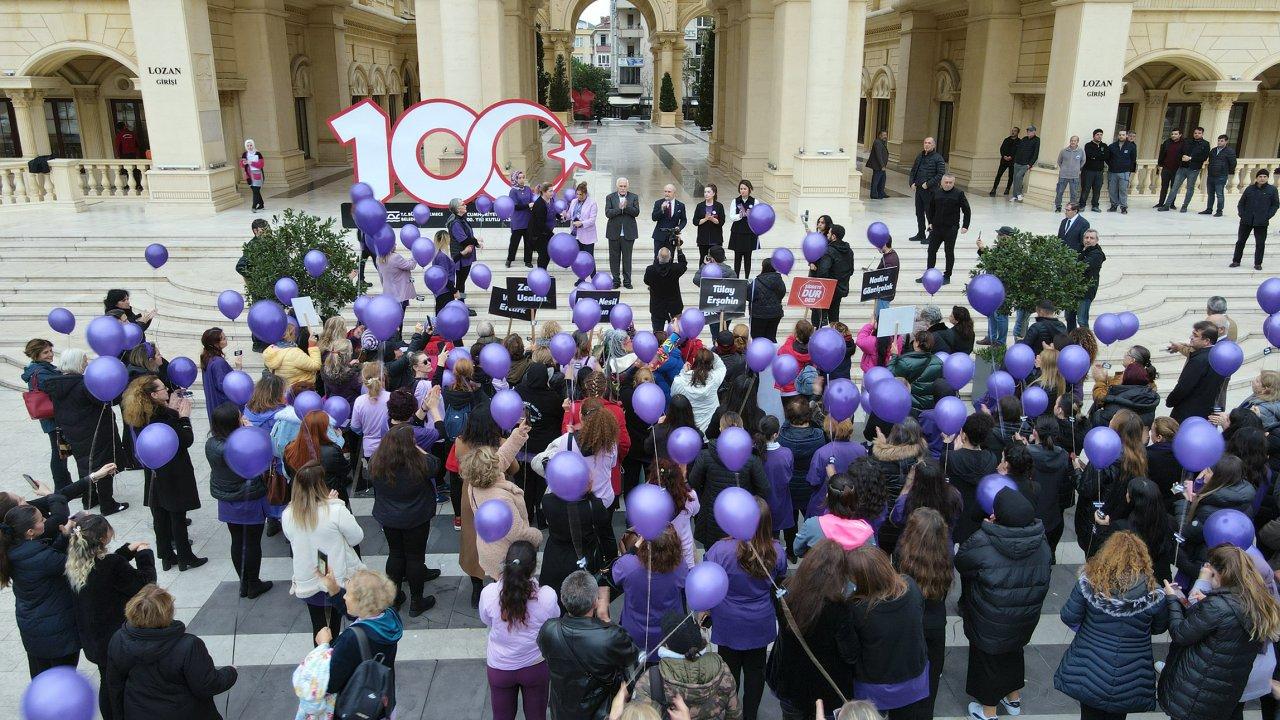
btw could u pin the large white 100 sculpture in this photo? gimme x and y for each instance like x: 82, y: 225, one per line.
x: 385, y: 157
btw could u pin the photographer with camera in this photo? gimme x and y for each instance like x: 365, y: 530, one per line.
x: 663, y: 279
x: 669, y: 214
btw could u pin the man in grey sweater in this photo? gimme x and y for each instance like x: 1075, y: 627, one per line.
x: 1070, y: 161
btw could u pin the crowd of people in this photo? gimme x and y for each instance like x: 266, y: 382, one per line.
x: 837, y: 602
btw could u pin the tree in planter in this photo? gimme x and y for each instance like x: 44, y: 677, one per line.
x: 559, y: 97
x: 707, y: 79
x: 667, y: 98
x: 279, y: 253
x: 1034, y: 268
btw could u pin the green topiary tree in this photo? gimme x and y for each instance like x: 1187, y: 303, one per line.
x: 707, y: 79
x: 544, y: 79
x: 595, y: 79
x: 559, y: 96
x: 279, y: 253
x: 667, y: 98
x: 1034, y: 268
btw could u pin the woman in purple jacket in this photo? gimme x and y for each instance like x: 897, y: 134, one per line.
x: 743, y: 625
x: 582, y: 220
x: 522, y: 195
x: 215, y: 367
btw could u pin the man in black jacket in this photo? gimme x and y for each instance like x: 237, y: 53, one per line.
x: 1194, y: 152
x: 1122, y: 160
x: 837, y: 264
x: 1092, y: 257
x: 1024, y: 156
x: 588, y: 657
x: 1044, y: 328
x: 1222, y: 164
x: 1095, y: 158
x: 877, y: 161
x: 1257, y: 205
x: 1198, y: 384
x: 1007, y: 146
x: 663, y: 279
x: 945, y: 210
x: 926, y: 175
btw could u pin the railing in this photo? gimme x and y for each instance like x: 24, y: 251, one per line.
x: 119, y: 179
x: 1146, y: 179
x: 70, y: 182
x: 20, y: 186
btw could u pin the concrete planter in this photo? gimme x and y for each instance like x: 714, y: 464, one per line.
x: 667, y: 119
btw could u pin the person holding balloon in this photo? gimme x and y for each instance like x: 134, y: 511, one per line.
x: 486, y: 481
x: 923, y: 554
x: 35, y: 374
x: 463, y: 245
x: 214, y: 367
x: 728, y: 461
x: 396, y: 273
x: 1143, y: 514
x: 1222, y: 487
x: 1053, y: 477
x: 595, y: 438
x: 242, y: 502
x: 836, y: 264
x: 117, y: 305
x: 1116, y: 455
x: 81, y: 410
x: 834, y: 457
x: 651, y: 576
x: 767, y: 294
x: 742, y: 239
x: 854, y: 502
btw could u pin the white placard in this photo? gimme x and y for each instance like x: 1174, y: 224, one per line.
x: 894, y: 321
x: 305, y: 312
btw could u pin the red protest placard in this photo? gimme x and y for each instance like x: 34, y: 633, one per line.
x: 812, y: 293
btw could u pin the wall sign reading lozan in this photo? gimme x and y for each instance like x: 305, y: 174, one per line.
x: 164, y: 75
x: 1096, y: 88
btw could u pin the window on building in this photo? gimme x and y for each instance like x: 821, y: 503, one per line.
x: 9, y: 145
x: 303, y: 129
x: 409, y: 98
x: 63, y: 125
x: 631, y: 50
x: 602, y: 60
x: 604, y: 40
x: 130, y: 113
x: 393, y: 107
x: 1180, y: 116
x: 1236, y: 127
x: 577, y: 42
x: 882, y: 115
x: 629, y: 76
x: 946, y: 113
x: 862, y: 119
x: 1124, y: 117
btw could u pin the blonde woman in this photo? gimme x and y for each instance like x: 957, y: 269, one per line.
x: 322, y: 533
x: 333, y: 336
x: 369, y: 415
x: 485, y: 479
x: 290, y: 362
x: 1050, y: 379
x: 368, y: 599
x: 445, y: 262
x: 1264, y: 399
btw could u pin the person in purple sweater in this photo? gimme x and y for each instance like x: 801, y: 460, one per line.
x: 651, y: 577
x: 778, y: 467
x: 744, y: 623
x: 463, y: 245
x: 214, y: 367
x: 840, y: 452
x: 853, y: 509
x: 522, y: 195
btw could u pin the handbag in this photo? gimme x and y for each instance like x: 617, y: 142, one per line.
x: 39, y: 404
x: 277, y: 488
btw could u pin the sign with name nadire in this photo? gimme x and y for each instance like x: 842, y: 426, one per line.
x: 880, y: 284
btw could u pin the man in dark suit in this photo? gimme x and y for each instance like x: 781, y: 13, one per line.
x: 1198, y: 384
x: 1071, y: 229
x: 1007, y: 146
x: 877, y: 161
x: 622, y: 208
x: 926, y: 175
x: 669, y: 219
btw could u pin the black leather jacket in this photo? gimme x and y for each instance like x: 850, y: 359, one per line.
x: 588, y: 660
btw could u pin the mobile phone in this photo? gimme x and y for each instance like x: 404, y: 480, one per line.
x: 31, y: 481
x: 322, y: 563
x: 184, y: 393
x: 420, y: 298
x: 1106, y: 366
x: 238, y: 353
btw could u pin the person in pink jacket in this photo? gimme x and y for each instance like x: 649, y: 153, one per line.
x: 397, y: 277
x: 251, y: 164
x: 582, y: 218
x: 876, y: 351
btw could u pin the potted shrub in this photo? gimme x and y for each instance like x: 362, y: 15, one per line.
x: 667, y: 105
x: 279, y: 253
x: 560, y: 102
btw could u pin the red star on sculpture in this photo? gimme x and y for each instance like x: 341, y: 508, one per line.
x: 571, y: 154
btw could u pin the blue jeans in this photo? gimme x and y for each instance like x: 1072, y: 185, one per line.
x: 878, y: 178
x: 1188, y: 176
x: 1080, y: 316
x: 1217, y: 184
x: 998, y: 328
x: 1020, y: 323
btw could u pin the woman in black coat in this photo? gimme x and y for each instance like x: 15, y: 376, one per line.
x: 742, y: 240
x: 1143, y: 514
x: 170, y: 490
x: 88, y: 426
x: 577, y: 532
x: 1224, y: 488
x: 103, y: 583
x: 709, y: 218
x: 886, y: 643
x: 156, y: 669
x: 709, y: 477
x: 1163, y: 468
x: 43, y: 605
x: 404, y: 502
x: 242, y: 503
x: 768, y: 293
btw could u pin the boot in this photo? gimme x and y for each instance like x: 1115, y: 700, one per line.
x: 419, y: 606
x: 477, y: 584
x: 257, y: 587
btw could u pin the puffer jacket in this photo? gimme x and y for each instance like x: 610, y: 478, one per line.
x: 895, y: 462
x: 343, y: 382
x: 1004, y: 577
x: 920, y: 369
x: 1054, y: 484
x: 1209, y: 659
x: 41, y: 371
x: 164, y: 673
x: 1238, y: 496
x: 43, y: 604
x: 224, y: 483
x: 1268, y: 411
x: 1141, y: 399
x: 80, y: 417
x: 588, y: 659
x: 800, y: 351
x: 768, y: 291
x: 705, y: 684
x: 542, y: 390
x: 709, y: 477
x: 837, y: 264
x: 1109, y: 665
x: 292, y: 364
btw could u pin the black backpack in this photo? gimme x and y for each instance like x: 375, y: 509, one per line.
x: 368, y: 692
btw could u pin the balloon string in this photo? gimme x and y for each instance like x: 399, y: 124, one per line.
x: 644, y: 656
x: 648, y: 596
x: 1186, y: 505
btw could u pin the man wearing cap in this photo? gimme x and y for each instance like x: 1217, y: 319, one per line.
x: 998, y: 324
x: 1026, y: 154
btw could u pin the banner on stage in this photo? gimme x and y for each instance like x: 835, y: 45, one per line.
x: 880, y: 284
x: 813, y: 293
x: 608, y: 299
x: 896, y: 321
x: 500, y: 306
x: 723, y: 295
x: 519, y: 294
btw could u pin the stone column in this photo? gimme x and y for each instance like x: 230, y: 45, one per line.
x: 985, y: 111
x: 512, y: 82
x: 1215, y: 109
x: 330, y: 79
x: 179, y: 86
x: 261, y: 47
x: 28, y: 108
x: 917, y: 59
x: 1151, y: 133
x: 715, y: 148
x: 96, y: 135
x: 1265, y: 135
x: 755, y: 98
x: 1085, y: 80
x: 793, y: 91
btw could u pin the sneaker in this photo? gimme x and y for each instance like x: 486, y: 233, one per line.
x: 1182, y: 209
x: 1218, y: 214
x: 1163, y: 208
x: 920, y: 280
x: 1013, y: 707
x: 1019, y: 198
x: 946, y: 279
x: 1095, y: 208
x: 1205, y: 212
x: 1111, y: 209
x: 365, y: 493
x: 1006, y: 192
x: 457, y: 523
x: 471, y: 312
x: 626, y: 285
x: 976, y: 713
x: 1124, y: 211
x: 508, y: 263
x: 417, y: 607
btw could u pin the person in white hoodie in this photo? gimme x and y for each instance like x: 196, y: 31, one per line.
x: 323, y: 535
x: 595, y: 438
x: 700, y: 382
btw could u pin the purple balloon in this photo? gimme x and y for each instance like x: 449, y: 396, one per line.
x: 1000, y: 384
x: 827, y: 349
x: 384, y: 241
x: 267, y: 321
x: 712, y: 271
x: 583, y: 265
x: 315, y: 263
x: 705, y: 586
x: 456, y: 354
x: 737, y: 513
x: 989, y: 487
x: 878, y: 235
x: 957, y: 370
x: 286, y: 290
x: 506, y: 407
x: 435, y: 278
x: 783, y: 260
x: 495, y: 360
x: 649, y: 402
x: 645, y: 345
x: 248, y: 451
x: 453, y: 322
x: 890, y: 401
x: 1107, y: 328
x: 446, y: 378
x: 237, y: 386
x: 132, y: 335
x: 424, y: 251
x: 361, y: 302
x: 61, y: 320
x: 563, y: 348
x: 484, y: 204
x: 567, y: 474
x: 105, y: 335
x: 841, y: 399
x: 691, y: 322
x: 1073, y: 363
x: 785, y: 368
x: 1128, y: 324
x: 361, y: 191
x: 156, y: 255
x: 873, y: 376
x: 1230, y: 527
x: 558, y: 205
x: 409, y: 234
x: 950, y: 415
x: 1269, y: 295
x: 370, y: 215
x: 1019, y: 360
x: 1196, y: 446
x: 1103, y: 446
x: 59, y: 693
x: 230, y: 304
x: 650, y: 510
x: 684, y: 444
x: 421, y: 214
x: 1271, y: 329
x: 563, y: 249
x: 733, y: 447
x: 620, y: 317
x: 570, y: 194
x: 932, y: 280
x: 493, y: 520
x: 539, y: 281
x: 505, y: 207
x: 986, y: 293
x: 481, y: 275
x: 760, y: 218
x: 106, y: 377
x: 306, y: 402
x: 182, y: 372
x: 586, y: 314
x: 813, y: 247
x: 383, y: 316
x: 338, y: 409
x: 760, y: 352
x: 1226, y: 357
x: 602, y: 281
x: 1034, y: 401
